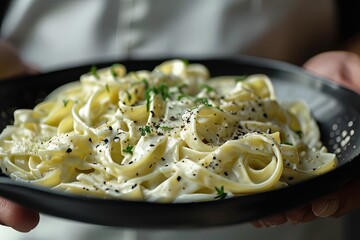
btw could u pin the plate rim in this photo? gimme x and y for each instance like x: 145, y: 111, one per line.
x: 249, y: 60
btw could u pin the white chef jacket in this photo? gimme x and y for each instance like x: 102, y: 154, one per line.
x: 54, y: 34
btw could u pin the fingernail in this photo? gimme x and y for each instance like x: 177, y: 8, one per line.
x: 326, y: 209
x: 264, y: 224
x: 267, y: 224
x: 294, y: 217
x: 293, y: 221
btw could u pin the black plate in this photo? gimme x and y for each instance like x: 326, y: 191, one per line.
x: 336, y: 110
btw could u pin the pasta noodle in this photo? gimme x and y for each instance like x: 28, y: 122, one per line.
x: 168, y: 135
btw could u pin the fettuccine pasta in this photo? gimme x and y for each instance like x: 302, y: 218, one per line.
x: 168, y: 135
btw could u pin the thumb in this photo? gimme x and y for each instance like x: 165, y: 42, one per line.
x: 339, y: 202
x: 16, y: 216
x: 340, y: 66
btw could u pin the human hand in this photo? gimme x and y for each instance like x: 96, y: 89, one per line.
x: 17, y: 217
x: 12, y: 214
x: 335, y: 204
x: 11, y: 64
x: 343, y: 68
x: 339, y: 66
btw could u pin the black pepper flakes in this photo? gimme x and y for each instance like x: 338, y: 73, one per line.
x: 68, y: 151
x: 178, y: 178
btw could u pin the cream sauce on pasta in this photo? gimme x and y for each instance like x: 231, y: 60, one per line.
x: 173, y: 134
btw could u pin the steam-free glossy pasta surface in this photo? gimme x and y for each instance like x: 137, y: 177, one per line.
x: 169, y: 135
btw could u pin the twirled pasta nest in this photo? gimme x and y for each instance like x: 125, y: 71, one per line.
x: 167, y: 135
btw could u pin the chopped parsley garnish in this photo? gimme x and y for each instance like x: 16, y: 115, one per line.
x: 148, y: 96
x: 181, y: 96
x: 240, y: 78
x: 220, y: 194
x: 128, y: 95
x: 166, y: 128
x: 207, y: 87
x: 145, y: 130
x: 65, y: 102
x: 113, y: 70
x: 185, y: 61
x: 107, y: 88
x: 146, y: 83
x: 93, y: 71
x: 287, y: 143
x: 128, y: 149
x: 163, y: 90
x: 204, y: 101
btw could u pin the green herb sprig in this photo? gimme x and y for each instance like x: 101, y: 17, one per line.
x: 204, y: 101
x: 113, y: 70
x: 146, y: 83
x: 94, y: 72
x: 185, y: 61
x: 128, y: 95
x: 129, y: 149
x: 240, y: 78
x: 166, y: 128
x: 220, y: 193
x: 163, y: 90
x: 145, y: 130
x: 181, y: 96
x: 65, y: 102
x: 207, y: 88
